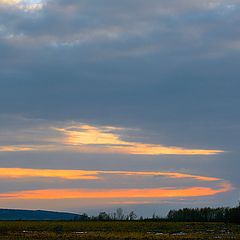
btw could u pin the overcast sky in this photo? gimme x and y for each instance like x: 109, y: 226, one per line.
x: 131, y: 104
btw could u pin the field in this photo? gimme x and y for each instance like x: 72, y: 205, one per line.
x: 21, y: 230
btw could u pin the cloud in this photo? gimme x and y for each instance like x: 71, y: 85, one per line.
x: 182, y: 185
x: 116, y: 193
x: 10, y: 2
x: 25, y: 5
x: 15, y: 149
x: 16, y: 173
x: 146, y: 28
x: 96, y: 139
x: 88, y: 138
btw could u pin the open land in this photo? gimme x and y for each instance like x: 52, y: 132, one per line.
x: 21, y: 230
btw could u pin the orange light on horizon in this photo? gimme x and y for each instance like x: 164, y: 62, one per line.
x: 16, y: 173
x: 47, y: 173
x: 117, y: 193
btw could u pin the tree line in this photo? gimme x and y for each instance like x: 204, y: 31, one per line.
x: 222, y: 214
x: 207, y: 214
x: 118, y: 215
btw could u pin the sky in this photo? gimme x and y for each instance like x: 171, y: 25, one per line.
x: 131, y: 104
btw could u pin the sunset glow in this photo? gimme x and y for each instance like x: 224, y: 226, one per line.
x: 10, y: 1
x: 214, y: 185
x: 83, y: 174
x: 116, y: 193
x: 110, y: 103
x: 103, y: 139
x: 47, y: 173
x: 88, y: 138
x: 15, y: 149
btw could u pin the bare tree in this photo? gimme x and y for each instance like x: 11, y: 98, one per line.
x: 132, y: 216
x: 119, y: 214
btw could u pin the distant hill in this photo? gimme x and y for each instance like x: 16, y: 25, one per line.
x: 11, y: 214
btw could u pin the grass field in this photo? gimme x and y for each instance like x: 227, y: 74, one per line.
x: 20, y: 230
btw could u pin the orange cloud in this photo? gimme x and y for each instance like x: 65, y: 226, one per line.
x: 88, y: 175
x: 86, y: 138
x: 92, y: 139
x: 17, y: 173
x: 90, y: 135
x: 132, y: 195
x: 10, y: 2
x: 15, y: 148
x: 164, y: 174
x: 117, y: 193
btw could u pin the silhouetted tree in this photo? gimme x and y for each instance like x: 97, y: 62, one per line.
x: 103, y: 216
x: 119, y: 214
x: 132, y: 216
x: 84, y: 217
